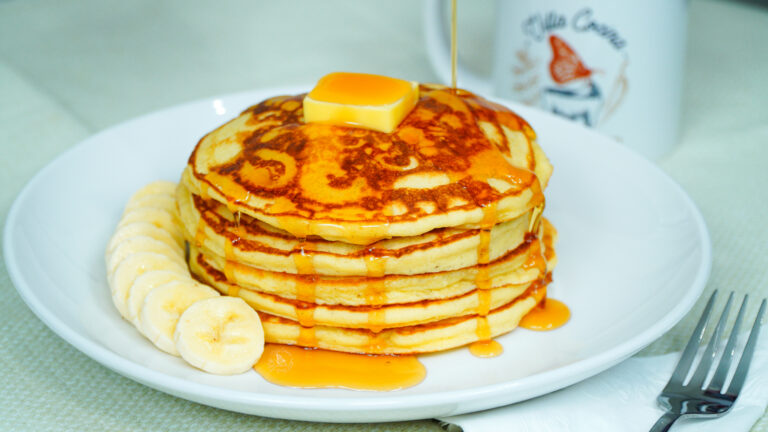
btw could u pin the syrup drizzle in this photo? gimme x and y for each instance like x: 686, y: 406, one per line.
x: 484, y: 346
x: 482, y: 279
x: 536, y: 259
x: 306, y: 315
x: 375, y: 289
x: 305, y: 292
x: 307, y: 336
x: 305, y: 266
x: 376, y: 344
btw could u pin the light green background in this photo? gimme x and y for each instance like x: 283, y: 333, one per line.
x: 69, y: 69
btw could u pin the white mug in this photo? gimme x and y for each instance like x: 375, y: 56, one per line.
x: 613, y: 65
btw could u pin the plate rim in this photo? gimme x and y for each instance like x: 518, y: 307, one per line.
x: 550, y: 379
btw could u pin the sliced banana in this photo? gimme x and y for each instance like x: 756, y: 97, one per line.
x: 221, y: 335
x: 159, y: 187
x: 156, y: 216
x: 134, y: 229
x: 142, y: 243
x: 152, y: 288
x: 134, y: 266
x: 164, y: 305
x: 142, y: 286
x: 165, y: 202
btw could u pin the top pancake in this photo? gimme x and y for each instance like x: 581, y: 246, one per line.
x: 456, y: 160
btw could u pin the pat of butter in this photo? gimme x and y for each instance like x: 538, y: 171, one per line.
x: 361, y: 100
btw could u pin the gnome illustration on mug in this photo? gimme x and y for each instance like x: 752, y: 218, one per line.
x: 575, y: 94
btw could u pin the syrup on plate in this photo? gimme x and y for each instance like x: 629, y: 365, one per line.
x: 295, y: 366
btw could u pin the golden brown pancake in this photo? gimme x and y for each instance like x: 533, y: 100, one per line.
x: 437, y: 336
x: 521, y: 266
x: 419, y: 326
x: 257, y: 244
x: 364, y: 316
x: 456, y: 160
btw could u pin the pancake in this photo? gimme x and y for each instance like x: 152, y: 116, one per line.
x: 436, y: 336
x: 523, y: 265
x: 257, y: 244
x: 456, y: 160
x: 475, y: 301
x: 364, y: 316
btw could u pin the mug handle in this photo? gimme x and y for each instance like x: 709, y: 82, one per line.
x: 439, y: 51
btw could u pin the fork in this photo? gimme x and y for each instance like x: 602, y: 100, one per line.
x: 681, y: 398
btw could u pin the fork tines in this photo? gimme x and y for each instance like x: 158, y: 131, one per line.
x: 690, y: 398
x: 703, y: 370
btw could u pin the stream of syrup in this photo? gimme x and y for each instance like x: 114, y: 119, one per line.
x: 454, y: 45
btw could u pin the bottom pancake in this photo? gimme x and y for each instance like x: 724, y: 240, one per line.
x: 436, y: 336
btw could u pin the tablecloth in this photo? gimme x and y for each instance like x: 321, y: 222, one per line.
x: 70, y: 69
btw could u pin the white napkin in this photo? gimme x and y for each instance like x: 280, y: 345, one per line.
x: 621, y: 398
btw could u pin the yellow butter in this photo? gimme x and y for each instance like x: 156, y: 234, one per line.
x: 361, y: 100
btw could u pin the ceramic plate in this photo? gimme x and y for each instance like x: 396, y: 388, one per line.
x: 634, y: 255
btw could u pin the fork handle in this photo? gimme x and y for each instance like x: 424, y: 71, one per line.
x: 665, y: 422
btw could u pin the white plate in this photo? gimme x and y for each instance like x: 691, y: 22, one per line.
x: 634, y: 256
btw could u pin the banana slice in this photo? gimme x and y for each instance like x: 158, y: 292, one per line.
x: 134, y: 229
x: 160, y: 187
x: 134, y: 266
x: 158, y: 217
x: 164, y: 305
x: 142, y: 286
x: 165, y: 202
x: 221, y: 335
x: 142, y: 243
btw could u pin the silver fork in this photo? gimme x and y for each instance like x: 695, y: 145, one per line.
x: 692, y: 399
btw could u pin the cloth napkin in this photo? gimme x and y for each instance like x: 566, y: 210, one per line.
x: 622, y: 398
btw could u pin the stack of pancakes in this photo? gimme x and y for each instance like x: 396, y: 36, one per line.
x: 348, y: 239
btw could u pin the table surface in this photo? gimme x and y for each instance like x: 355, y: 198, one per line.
x: 81, y: 66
